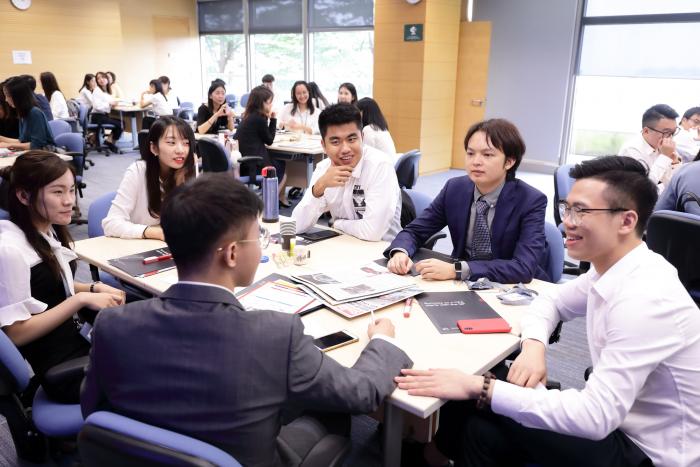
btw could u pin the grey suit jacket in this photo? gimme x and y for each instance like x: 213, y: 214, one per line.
x: 194, y: 361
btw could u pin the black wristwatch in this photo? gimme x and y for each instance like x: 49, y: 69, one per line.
x: 458, y: 269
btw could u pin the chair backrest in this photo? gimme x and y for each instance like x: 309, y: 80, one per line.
x: 674, y: 236
x: 98, y: 210
x: 14, y: 372
x: 231, y: 99
x: 687, y: 197
x: 244, y: 99
x: 73, y: 142
x: 108, y: 439
x: 186, y: 105
x: 407, y: 168
x: 213, y: 155
x: 420, y: 200
x: 562, y: 187
x: 553, y: 261
x: 59, y: 127
x: 186, y: 114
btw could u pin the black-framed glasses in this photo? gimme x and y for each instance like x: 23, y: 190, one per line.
x: 263, y: 239
x: 666, y: 133
x: 576, y: 213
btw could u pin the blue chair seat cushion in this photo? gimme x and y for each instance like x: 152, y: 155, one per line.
x: 56, y: 420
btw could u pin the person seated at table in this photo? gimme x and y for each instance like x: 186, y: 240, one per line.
x: 170, y: 95
x: 236, y: 370
x: 257, y: 129
x: 34, y: 131
x: 375, y: 130
x: 688, y: 138
x: 319, y: 100
x: 85, y: 92
x: 685, y: 180
x: 9, y: 122
x: 347, y: 94
x: 102, y: 104
x: 38, y: 295
x: 166, y: 162
x: 301, y: 115
x: 356, y: 183
x: 215, y: 115
x: 59, y: 107
x: 41, y: 101
x: 641, y: 403
x: 495, y: 220
x: 154, y: 97
x: 114, y: 89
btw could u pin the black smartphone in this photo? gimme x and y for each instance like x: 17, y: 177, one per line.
x: 335, y: 340
x: 316, y: 235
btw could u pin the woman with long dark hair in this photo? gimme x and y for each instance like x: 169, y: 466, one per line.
x: 85, y: 92
x: 215, y: 115
x: 301, y: 115
x: 347, y: 94
x: 9, y: 123
x: 166, y: 162
x: 317, y: 96
x: 53, y: 93
x: 154, y: 97
x: 102, y: 103
x: 39, y: 296
x: 114, y: 89
x: 34, y: 131
x: 375, y: 130
x: 170, y: 95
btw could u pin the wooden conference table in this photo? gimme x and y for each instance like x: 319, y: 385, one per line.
x: 428, y: 348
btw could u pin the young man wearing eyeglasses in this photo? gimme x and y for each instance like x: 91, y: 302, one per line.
x: 654, y: 145
x: 641, y: 404
x: 688, y: 138
x: 194, y: 361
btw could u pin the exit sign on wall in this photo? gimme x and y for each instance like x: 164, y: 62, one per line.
x: 412, y: 32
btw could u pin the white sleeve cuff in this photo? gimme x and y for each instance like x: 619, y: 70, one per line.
x: 534, y: 332
x: 20, y: 311
x: 506, y: 399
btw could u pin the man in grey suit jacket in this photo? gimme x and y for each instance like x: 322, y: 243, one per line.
x: 194, y: 361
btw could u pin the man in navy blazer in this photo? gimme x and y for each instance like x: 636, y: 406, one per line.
x: 195, y: 362
x: 504, y: 239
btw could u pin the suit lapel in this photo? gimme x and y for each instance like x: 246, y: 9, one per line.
x: 504, y: 208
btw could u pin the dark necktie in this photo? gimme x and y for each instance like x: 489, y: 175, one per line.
x: 481, y: 237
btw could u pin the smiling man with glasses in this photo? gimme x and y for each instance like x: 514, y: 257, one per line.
x: 688, y: 138
x: 654, y: 146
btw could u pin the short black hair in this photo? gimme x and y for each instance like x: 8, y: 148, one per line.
x: 268, y: 78
x: 198, y: 214
x: 339, y: 114
x: 656, y: 112
x: 629, y: 186
x: 504, y: 136
x: 691, y: 111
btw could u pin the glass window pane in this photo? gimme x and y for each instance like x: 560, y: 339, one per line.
x: 223, y: 56
x: 338, y: 57
x: 636, y: 50
x: 221, y: 16
x: 340, y: 13
x: 640, y: 7
x: 274, y: 16
x: 281, y: 55
x: 608, y: 110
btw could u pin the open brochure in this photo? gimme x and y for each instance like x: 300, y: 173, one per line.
x: 352, y: 284
x: 277, y: 294
x: 362, y: 307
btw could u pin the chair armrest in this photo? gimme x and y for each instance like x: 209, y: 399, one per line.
x: 430, y: 242
x: 67, y: 371
x: 331, y: 450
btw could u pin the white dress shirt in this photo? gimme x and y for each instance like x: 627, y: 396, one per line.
x: 660, y: 168
x: 171, y: 99
x: 159, y: 104
x: 379, y: 139
x: 128, y: 217
x: 644, y: 338
x: 59, y: 108
x: 686, y: 144
x: 368, y: 206
x: 17, y: 257
x: 85, y: 96
x: 305, y: 118
x: 101, y: 101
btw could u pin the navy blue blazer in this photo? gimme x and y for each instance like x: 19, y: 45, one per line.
x: 517, y: 231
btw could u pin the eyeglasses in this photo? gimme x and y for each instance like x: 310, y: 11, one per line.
x: 263, y: 239
x: 576, y: 213
x: 666, y: 133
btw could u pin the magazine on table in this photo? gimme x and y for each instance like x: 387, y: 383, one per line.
x: 277, y: 294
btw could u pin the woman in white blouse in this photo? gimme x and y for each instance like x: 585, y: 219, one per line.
x: 301, y: 115
x: 154, y: 97
x: 170, y: 95
x: 38, y: 296
x: 375, y: 131
x: 167, y: 161
x: 85, y: 93
x: 53, y: 93
x: 102, y: 103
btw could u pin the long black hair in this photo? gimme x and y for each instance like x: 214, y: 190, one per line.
x: 256, y: 101
x: 158, y: 85
x: 153, y: 183
x: 30, y: 173
x: 372, y: 114
x: 295, y: 102
x: 22, y: 96
x: 217, y: 83
x: 49, y: 83
x: 108, y: 86
x: 86, y: 82
x: 350, y: 87
x: 317, y: 94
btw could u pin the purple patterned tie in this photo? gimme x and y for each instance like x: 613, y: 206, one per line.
x: 481, y: 237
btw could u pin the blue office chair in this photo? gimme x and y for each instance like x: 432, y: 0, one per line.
x: 553, y: 261
x: 244, y: 99
x: 98, y: 210
x: 420, y: 202
x: 47, y: 419
x: 186, y: 105
x: 407, y: 168
x: 231, y: 99
x: 186, y: 114
x: 111, y: 440
x: 59, y: 127
x: 98, y: 129
x: 75, y: 145
x: 562, y: 186
x: 215, y: 159
x: 674, y: 236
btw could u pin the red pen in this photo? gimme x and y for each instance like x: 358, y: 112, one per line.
x: 155, y: 259
x: 408, y: 304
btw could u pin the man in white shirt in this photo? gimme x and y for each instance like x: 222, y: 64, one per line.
x: 687, y: 140
x: 654, y: 146
x: 641, y: 404
x: 356, y: 183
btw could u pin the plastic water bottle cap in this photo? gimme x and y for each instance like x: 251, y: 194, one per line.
x: 264, y: 259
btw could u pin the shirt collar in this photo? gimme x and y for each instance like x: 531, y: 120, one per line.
x: 208, y: 284
x: 608, y: 284
x: 490, y: 198
x: 646, y: 147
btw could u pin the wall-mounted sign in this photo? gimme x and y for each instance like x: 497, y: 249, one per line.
x: 412, y: 32
x: 22, y: 57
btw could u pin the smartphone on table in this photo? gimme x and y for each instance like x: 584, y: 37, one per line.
x: 335, y: 340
